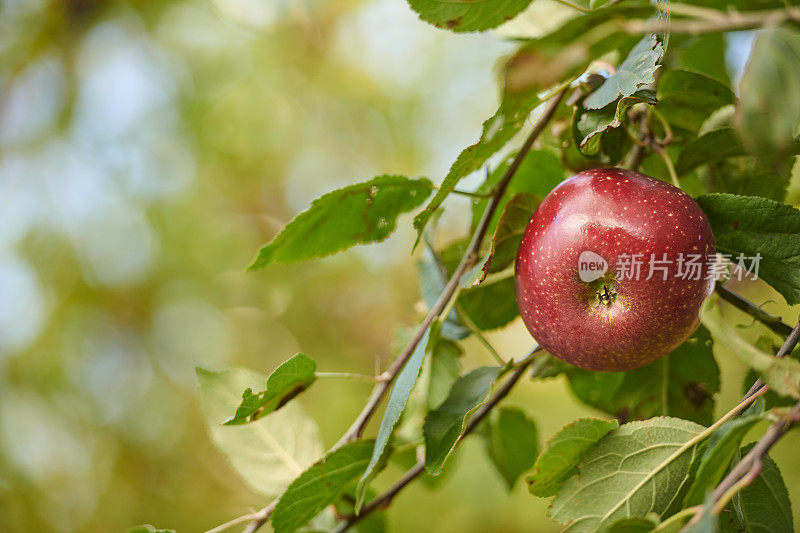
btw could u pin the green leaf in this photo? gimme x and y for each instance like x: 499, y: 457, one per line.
x: 686, y: 99
x: 497, y: 131
x: 764, y: 505
x: 147, y: 528
x: 357, y: 214
x: 631, y: 525
x: 538, y: 173
x: 490, y: 305
x: 638, y: 69
x: 637, y: 469
x: 680, y: 384
x: 432, y: 280
x: 782, y: 375
x: 513, y: 443
x: 750, y: 225
x: 287, y: 381
x: 769, y: 109
x: 320, y: 485
x: 466, y: 16
x: 589, y: 124
x: 444, y: 425
x: 708, y: 522
x: 394, y: 408
x: 269, y: 453
x: 720, y: 450
x: 708, y: 148
x: 510, y: 229
x: 375, y: 522
x: 562, y: 453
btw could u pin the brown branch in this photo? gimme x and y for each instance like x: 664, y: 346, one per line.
x: 471, y: 255
x: 726, y: 21
x: 749, y: 467
x: 383, y: 500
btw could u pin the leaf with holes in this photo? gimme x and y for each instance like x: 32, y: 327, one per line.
x: 357, y: 214
x: 475, y: 15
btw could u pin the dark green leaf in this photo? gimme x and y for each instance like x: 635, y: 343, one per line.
x: 708, y: 523
x: 320, y: 485
x: 764, y: 505
x: 638, y: 69
x: 713, y: 146
x: 513, y: 443
x: 467, y: 16
x: 720, y: 450
x: 686, y: 99
x: 497, y: 131
x: 357, y: 214
x: 269, y: 453
x: 769, y: 110
x: 705, y: 54
x: 394, y: 408
x: 443, y: 425
x: 490, y: 305
x: 562, y: 453
x: 640, y: 468
x: 510, y: 229
x: 589, y: 124
x: 750, y: 225
x: 680, y: 384
x: 287, y: 381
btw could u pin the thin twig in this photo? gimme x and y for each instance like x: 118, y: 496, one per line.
x: 350, y: 375
x: 260, y: 518
x: 773, y: 322
x: 728, y: 21
x: 384, y: 499
x: 786, y: 349
x: 467, y: 260
x: 747, y: 469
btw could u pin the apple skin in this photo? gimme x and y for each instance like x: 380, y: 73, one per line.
x: 612, y: 323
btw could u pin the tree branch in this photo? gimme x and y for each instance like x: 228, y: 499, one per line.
x: 773, y: 322
x: 471, y: 255
x: 749, y: 467
x: 726, y: 21
x: 384, y: 499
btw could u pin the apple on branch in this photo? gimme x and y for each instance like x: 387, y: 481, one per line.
x: 613, y: 268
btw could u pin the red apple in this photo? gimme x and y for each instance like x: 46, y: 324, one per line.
x: 599, y: 314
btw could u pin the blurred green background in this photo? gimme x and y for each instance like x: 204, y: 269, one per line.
x: 147, y: 149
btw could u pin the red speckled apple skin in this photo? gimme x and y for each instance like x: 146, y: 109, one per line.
x: 612, y: 212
